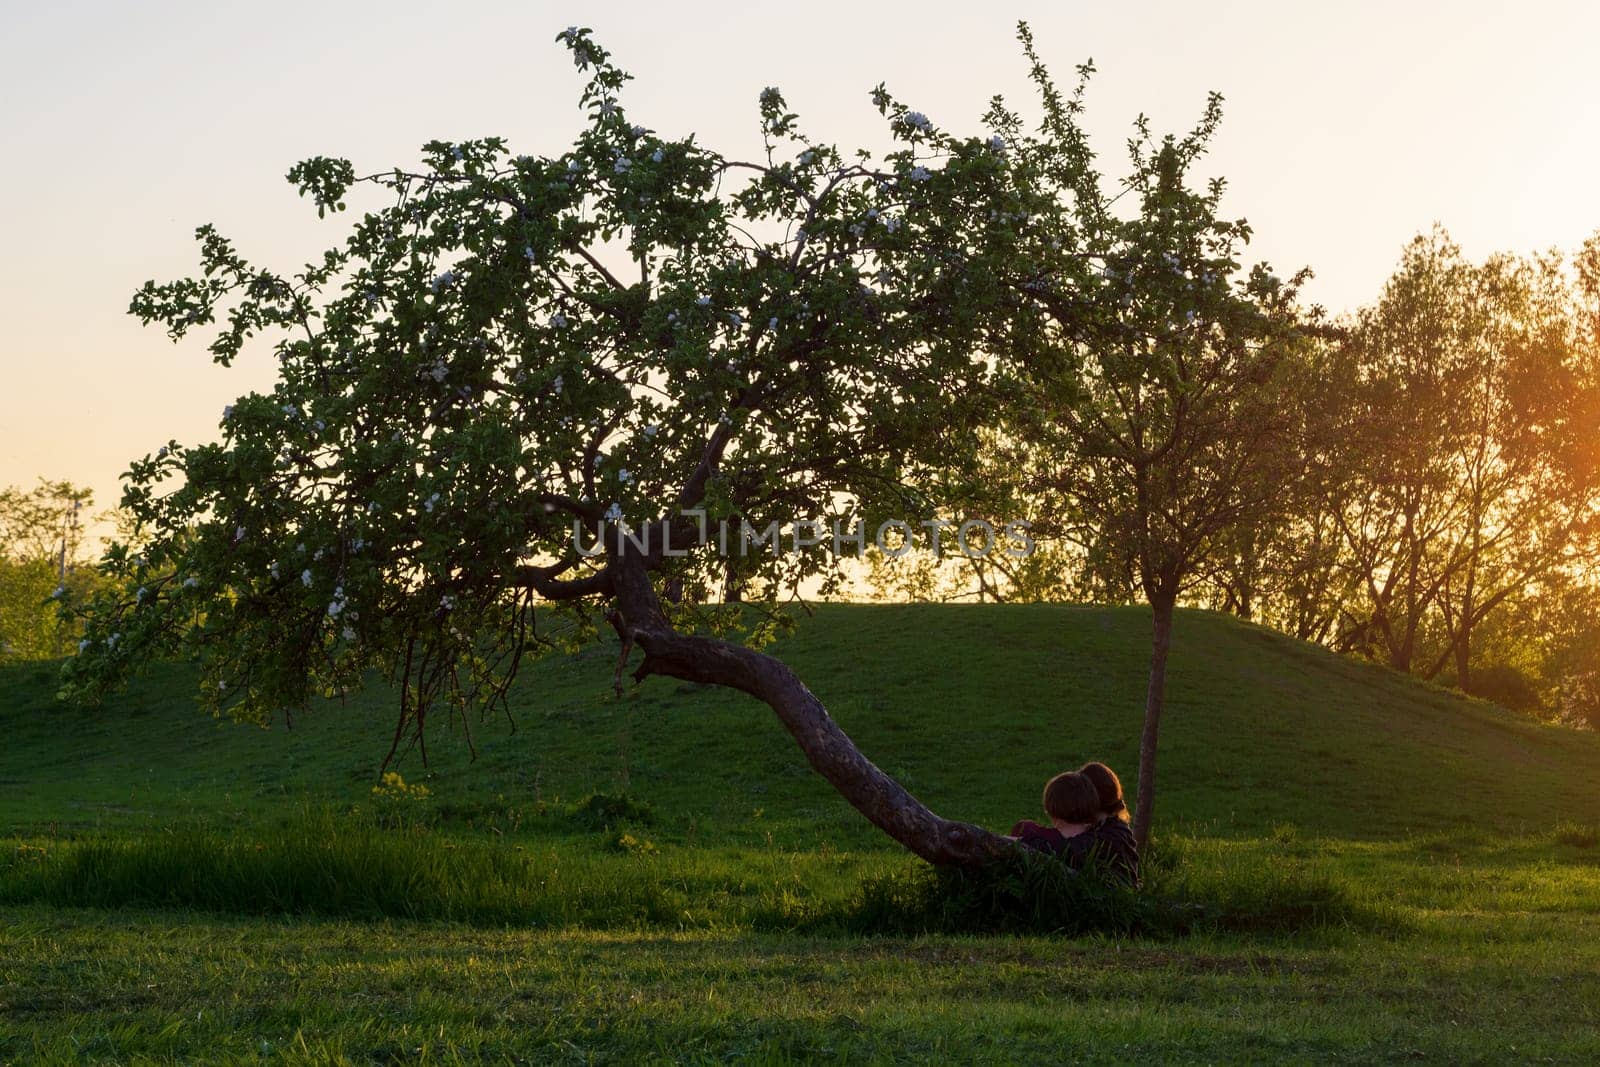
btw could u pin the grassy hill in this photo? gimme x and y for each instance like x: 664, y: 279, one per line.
x: 179, y: 889
x: 972, y: 707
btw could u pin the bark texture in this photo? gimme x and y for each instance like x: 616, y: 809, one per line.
x: 1160, y: 645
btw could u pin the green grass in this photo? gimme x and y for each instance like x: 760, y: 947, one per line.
x: 1373, y: 869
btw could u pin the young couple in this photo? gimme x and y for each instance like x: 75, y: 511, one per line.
x: 1088, y: 821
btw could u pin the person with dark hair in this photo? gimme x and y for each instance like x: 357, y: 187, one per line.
x: 1073, y: 805
x: 1088, y: 823
x: 1109, y: 786
x: 1110, y: 839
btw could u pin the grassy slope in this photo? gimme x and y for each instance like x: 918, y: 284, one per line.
x: 972, y: 707
x: 1400, y: 788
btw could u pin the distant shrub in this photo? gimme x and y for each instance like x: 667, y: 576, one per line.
x: 604, y: 811
x: 1578, y: 835
x: 1506, y: 686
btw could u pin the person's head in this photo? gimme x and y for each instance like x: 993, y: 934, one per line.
x: 1071, y: 798
x: 1108, y: 788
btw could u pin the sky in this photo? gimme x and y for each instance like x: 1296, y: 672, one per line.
x: 1347, y: 129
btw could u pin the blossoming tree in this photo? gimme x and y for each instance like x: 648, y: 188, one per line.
x: 637, y: 338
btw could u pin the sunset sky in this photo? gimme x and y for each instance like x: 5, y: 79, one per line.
x: 1347, y: 128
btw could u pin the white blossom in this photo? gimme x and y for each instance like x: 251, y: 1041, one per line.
x: 558, y: 320
x: 637, y: 131
x: 651, y: 430
x: 918, y: 121
x: 447, y: 602
x: 227, y: 412
x: 918, y: 174
x: 557, y: 384
x: 348, y: 634
x: 622, y: 164
x: 806, y: 157
x: 703, y: 300
x: 443, y: 280
x: 238, y: 534
x: 60, y: 592
x: 459, y: 155
x: 190, y: 582
x: 273, y: 570
x: 528, y: 253
x: 891, y: 223
x: 427, y: 505
x: 357, y: 545
x: 305, y: 577
x: 624, y: 475
x: 83, y: 644
x: 656, y: 156
x: 573, y: 167
x: 439, y: 371
x: 138, y: 597
x: 772, y: 323
x: 614, y: 512
x: 997, y: 143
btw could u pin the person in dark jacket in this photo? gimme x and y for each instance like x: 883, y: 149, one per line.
x: 1111, y: 835
x: 1088, y: 823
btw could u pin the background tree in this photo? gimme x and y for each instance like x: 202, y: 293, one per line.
x: 42, y: 556
x: 1469, y: 448
x: 1151, y: 388
x: 633, y: 339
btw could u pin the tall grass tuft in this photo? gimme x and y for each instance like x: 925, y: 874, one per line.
x: 320, y: 864
x: 1037, y: 894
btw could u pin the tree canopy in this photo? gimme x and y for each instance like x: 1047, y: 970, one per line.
x: 631, y: 340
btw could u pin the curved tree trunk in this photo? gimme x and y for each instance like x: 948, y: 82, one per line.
x: 884, y: 801
x: 1155, y: 696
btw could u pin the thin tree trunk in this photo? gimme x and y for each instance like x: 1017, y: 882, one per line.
x: 1160, y: 645
x: 884, y: 801
x: 1463, y: 652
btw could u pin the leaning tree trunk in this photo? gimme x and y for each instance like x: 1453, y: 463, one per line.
x: 1160, y: 645
x: 884, y: 801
